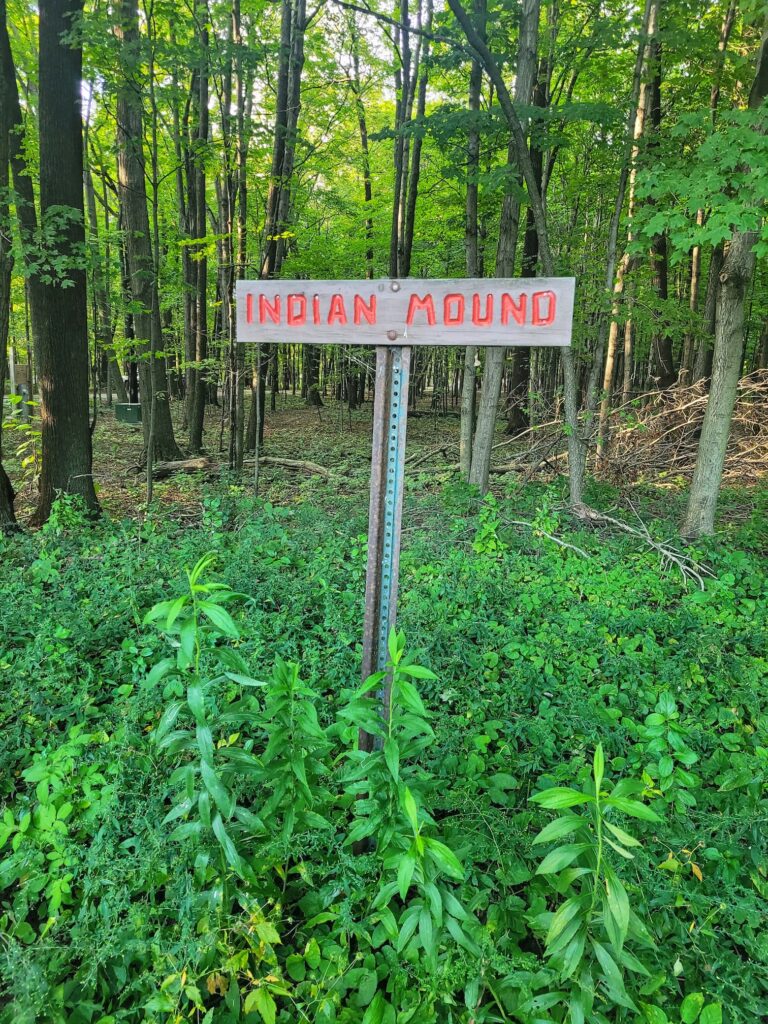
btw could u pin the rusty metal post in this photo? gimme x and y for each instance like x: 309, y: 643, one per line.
x: 390, y: 412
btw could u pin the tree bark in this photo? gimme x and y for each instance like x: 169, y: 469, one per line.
x: 132, y: 192
x: 7, y: 515
x: 494, y: 357
x: 60, y: 313
x: 472, y: 248
x: 734, y: 280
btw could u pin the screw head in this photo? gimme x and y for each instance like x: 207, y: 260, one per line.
x: 395, y: 286
x: 392, y: 335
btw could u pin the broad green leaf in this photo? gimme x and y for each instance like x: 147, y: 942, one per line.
x: 624, y: 837
x: 618, y: 904
x: 261, y: 1000
x: 558, y: 828
x: 230, y: 851
x: 564, y: 914
x: 196, y: 701
x: 561, y: 857
x: 692, y: 1006
x: 220, y: 618
x: 561, y: 796
x: 221, y: 795
x: 409, y: 806
x: 426, y: 931
x: 375, y: 1012
x: 392, y: 757
x: 418, y: 672
x: 711, y: 1014
x: 405, y: 874
x: 445, y: 859
x: 633, y: 808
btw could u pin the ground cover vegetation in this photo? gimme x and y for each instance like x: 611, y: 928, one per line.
x: 565, y: 820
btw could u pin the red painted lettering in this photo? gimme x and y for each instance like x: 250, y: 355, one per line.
x: 315, y: 309
x: 270, y: 310
x: 427, y: 305
x: 363, y: 309
x: 487, y: 319
x: 455, y: 318
x: 511, y: 308
x: 297, y: 310
x: 249, y: 308
x: 337, y: 312
x: 540, y: 320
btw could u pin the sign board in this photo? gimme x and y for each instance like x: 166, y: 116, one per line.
x: 500, y: 312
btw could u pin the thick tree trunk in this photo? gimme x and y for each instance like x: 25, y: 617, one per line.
x: 7, y: 516
x: 60, y: 313
x: 734, y: 280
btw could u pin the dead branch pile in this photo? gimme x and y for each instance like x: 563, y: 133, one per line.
x: 657, y: 438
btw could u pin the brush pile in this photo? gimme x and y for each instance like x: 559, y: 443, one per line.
x: 656, y: 438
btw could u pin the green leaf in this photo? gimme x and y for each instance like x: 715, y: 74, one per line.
x: 410, y: 808
x: 624, y: 837
x: 167, y: 720
x: 392, y: 757
x: 561, y: 857
x: 619, y: 849
x: 612, y: 976
x: 260, y: 999
x: 563, y: 916
x: 426, y: 931
x: 418, y: 672
x: 712, y: 1014
x: 312, y: 953
x: 692, y: 1007
x: 230, y: 851
x: 405, y: 874
x: 220, y: 618
x: 618, y: 904
x: 221, y: 795
x: 445, y: 859
x: 561, y: 796
x: 598, y: 766
x: 558, y: 828
x: 632, y: 807
x: 196, y: 701
x: 375, y: 1012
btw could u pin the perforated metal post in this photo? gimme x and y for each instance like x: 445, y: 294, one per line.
x: 385, y: 511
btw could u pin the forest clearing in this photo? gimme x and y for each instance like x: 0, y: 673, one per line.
x: 383, y: 512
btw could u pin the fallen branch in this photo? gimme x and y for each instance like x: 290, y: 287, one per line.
x: 166, y: 469
x: 299, y: 464
x: 689, y: 568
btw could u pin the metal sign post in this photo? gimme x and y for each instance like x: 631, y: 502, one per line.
x: 393, y: 315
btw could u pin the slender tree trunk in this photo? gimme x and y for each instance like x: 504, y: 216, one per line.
x: 197, y: 399
x: 132, y: 191
x: 628, y: 175
x: 494, y: 357
x: 362, y: 121
x: 472, y: 248
x: 734, y: 280
x: 415, y: 171
x: 662, y: 359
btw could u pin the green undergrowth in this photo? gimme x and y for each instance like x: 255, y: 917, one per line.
x: 564, y: 820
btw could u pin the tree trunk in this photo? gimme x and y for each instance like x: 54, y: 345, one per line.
x: 494, y: 357
x: 7, y: 515
x: 60, y: 313
x: 132, y: 191
x: 197, y: 211
x: 734, y: 280
x: 472, y: 249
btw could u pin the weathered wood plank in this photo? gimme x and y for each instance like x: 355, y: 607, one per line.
x: 492, y: 311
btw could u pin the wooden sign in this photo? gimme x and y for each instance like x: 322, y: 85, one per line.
x: 484, y: 311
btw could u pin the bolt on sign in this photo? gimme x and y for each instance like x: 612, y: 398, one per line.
x: 393, y: 316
